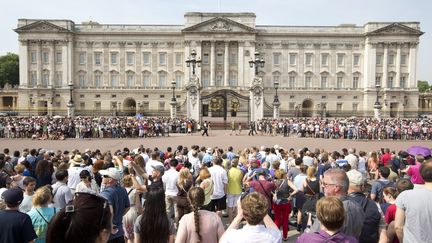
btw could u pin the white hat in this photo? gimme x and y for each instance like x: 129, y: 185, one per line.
x: 355, y: 177
x: 112, y: 173
x: 209, y: 150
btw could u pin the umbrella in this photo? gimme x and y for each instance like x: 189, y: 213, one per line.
x: 419, y: 150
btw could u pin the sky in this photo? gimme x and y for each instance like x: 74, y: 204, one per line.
x: 268, y: 12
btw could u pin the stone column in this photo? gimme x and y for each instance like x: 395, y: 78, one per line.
x: 198, y: 50
x: 226, y: 64
x: 173, y: 111
x: 23, y: 63
x: 105, y: 64
x: 39, y: 63
x: 52, y: 65
x: 385, y: 68
x: 240, y: 76
x: 396, y: 82
x: 89, y: 63
x: 412, y: 83
x: 369, y: 70
x: 64, y: 68
x: 212, y: 64
x: 276, y: 109
x: 121, y: 63
x: 70, y: 60
x: 187, y: 70
x: 138, y: 66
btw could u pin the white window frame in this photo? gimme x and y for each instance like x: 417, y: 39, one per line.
x: 81, y: 58
x: 379, y: 58
x: 33, y: 57
x: 293, y: 59
x: 97, y: 57
x: 340, y: 59
x: 205, y: 59
x: 146, y: 58
x: 162, y: 58
x: 356, y: 63
x: 219, y: 58
x: 130, y: 58
x: 130, y: 78
x: 114, y: 57
x: 310, y: 55
x: 146, y: 79
x: 59, y: 57
x: 276, y: 59
x: 324, y: 59
x: 178, y: 59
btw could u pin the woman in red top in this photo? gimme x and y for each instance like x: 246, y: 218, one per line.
x: 390, y: 195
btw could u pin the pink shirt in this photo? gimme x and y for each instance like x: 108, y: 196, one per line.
x: 414, y: 172
x: 211, y: 228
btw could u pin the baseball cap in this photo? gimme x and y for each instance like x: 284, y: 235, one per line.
x: 355, y: 177
x: 159, y: 168
x: 112, y: 173
x: 13, y: 196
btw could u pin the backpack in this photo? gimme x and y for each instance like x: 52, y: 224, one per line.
x: 379, y: 196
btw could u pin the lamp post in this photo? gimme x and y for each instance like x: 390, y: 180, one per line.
x: 377, y: 105
x: 276, y: 103
x: 173, y: 102
x: 257, y: 62
x: 70, y: 104
x: 193, y: 62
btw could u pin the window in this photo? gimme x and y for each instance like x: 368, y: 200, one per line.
x: 219, y: 79
x: 82, y: 96
x: 161, y: 106
x: 205, y: 58
x: 114, y: 80
x: 58, y: 57
x: 33, y: 78
x: 113, y: 58
x: 178, y: 59
x: 291, y: 105
x: 355, y: 97
x: 308, y: 81
x: 179, y: 79
x: 292, y: 58
x: 233, y: 78
x: 402, y: 81
x: 98, y: 106
x: 403, y: 59
x: 162, y: 58
x: 291, y: 81
x: 354, y: 107
x: 162, y: 79
x: 275, y: 78
x: 324, y: 82
x: 130, y: 56
x: 339, y: 82
x: 378, y: 79
x: 379, y: 59
x: 58, y: 79
x: 339, y: 97
x: 276, y: 59
x: 338, y: 107
x: 219, y: 58
x: 97, y: 57
x: 233, y: 58
x: 146, y: 58
x: 45, y: 57
x: 33, y: 57
x: 130, y: 80
x: 355, y: 82
x: 45, y: 78
x: 97, y: 96
x: 390, y: 82
x: 324, y: 59
x: 340, y: 59
x: 391, y: 59
x: 82, y: 105
x: 308, y: 59
x: 98, y: 80
x: 81, y: 58
x: 146, y: 106
x: 206, y: 79
x: 146, y: 79
x: 82, y: 81
x: 356, y: 60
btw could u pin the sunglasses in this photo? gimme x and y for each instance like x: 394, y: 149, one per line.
x: 89, y: 196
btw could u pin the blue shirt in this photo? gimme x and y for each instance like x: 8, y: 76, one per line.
x: 118, y: 198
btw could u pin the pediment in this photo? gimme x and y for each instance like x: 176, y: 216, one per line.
x: 396, y: 29
x: 218, y: 25
x: 41, y: 26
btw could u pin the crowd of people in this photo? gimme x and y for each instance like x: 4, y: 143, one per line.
x: 182, y: 194
x: 347, y: 128
x: 59, y: 128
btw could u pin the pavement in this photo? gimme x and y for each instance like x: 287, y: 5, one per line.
x: 219, y: 138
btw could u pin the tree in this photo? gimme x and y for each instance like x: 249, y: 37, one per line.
x: 9, y: 69
x: 423, y: 86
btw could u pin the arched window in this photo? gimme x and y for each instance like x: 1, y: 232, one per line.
x: 292, y: 80
x: 324, y: 80
x: 114, y: 79
x: 308, y: 80
x: 146, y: 79
x: 130, y: 79
x: 162, y: 79
x: 97, y: 79
x: 340, y: 78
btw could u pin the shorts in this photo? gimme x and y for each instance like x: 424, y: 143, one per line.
x: 232, y: 200
x: 218, y: 204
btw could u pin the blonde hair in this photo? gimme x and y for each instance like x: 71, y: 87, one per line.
x: 204, y: 174
x: 127, y: 181
x: 330, y: 212
x: 310, y: 172
x: 42, y: 196
x: 183, y: 176
x: 19, y: 168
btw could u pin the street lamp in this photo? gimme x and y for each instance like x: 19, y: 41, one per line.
x: 276, y: 102
x: 258, y: 62
x: 173, y: 100
x: 192, y: 61
x: 377, y: 105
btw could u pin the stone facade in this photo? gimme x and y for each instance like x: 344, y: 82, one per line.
x: 127, y: 69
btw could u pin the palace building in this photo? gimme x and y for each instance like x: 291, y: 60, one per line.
x: 217, y: 66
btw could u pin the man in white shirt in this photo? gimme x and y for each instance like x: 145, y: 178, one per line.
x: 169, y: 180
x: 352, y: 158
x: 253, y: 207
x: 220, y: 180
x: 152, y: 162
x: 62, y: 195
x: 75, y: 168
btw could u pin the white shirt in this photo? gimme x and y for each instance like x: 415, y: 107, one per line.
x: 74, y: 178
x: 352, y: 160
x: 150, y: 163
x: 145, y: 157
x: 220, y: 179
x: 62, y: 194
x: 169, y: 180
x: 26, y: 204
x: 249, y: 234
